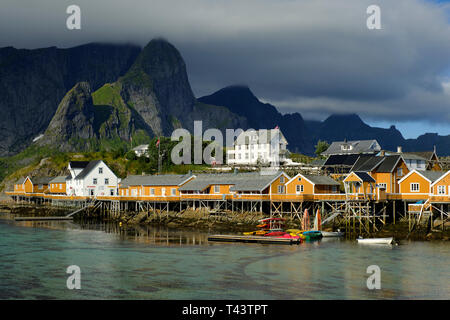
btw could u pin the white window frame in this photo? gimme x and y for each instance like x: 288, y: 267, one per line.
x: 413, y: 189
x: 173, y: 191
x: 106, y: 181
x: 280, y: 189
x: 100, y: 170
x: 441, y: 190
x: 152, y: 191
x: 216, y: 189
x: 94, y: 180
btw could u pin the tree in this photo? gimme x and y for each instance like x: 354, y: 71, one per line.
x: 321, y: 146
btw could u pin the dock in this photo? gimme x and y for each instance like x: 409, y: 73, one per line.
x: 252, y: 239
x: 43, y: 218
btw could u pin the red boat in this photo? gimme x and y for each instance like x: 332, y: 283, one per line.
x: 275, y: 234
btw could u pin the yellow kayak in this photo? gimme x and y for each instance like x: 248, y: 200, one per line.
x: 255, y: 233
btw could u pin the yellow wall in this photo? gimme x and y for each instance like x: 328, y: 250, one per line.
x: 443, y: 182
x: 224, y: 189
x: 274, y: 185
x: 19, y: 187
x: 308, y: 188
x: 424, y: 185
x: 58, y: 187
x: 28, y: 186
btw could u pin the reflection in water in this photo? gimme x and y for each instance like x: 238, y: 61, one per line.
x: 146, y: 262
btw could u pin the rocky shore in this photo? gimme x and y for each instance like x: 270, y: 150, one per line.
x: 224, y: 222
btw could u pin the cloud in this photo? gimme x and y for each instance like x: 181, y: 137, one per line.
x: 315, y: 57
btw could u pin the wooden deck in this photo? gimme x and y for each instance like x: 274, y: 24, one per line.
x: 245, y: 197
x: 252, y: 239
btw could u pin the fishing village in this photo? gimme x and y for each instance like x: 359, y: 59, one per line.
x: 357, y: 190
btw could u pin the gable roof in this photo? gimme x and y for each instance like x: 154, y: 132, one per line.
x: 87, y: 169
x: 263, y: 136
x: 316, y: 179
x: 441, y: 177
x: 389, y: 163
x: 41, y: 180
x: 341, y: 160
x: 367, y: 163
x: 429, y: 175
x: 432, y: 176
x: 78, y: 164
x: 155, y: 180
x: 363, y: 176
x: 246, y: 181
x: 58, y: 179
x: 21, y: 180
x: 357, y: 147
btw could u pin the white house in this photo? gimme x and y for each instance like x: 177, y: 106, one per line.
x: 93, y: 178
x: 141, y: 150
x: 258, y: 146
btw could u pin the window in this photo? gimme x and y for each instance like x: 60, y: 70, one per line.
x: 299, y: 178
x: 100, y: 170
x: 334, y: 189
x: 174, y: 191
x: 152, y: 191
x: 216, y: 189
x: 414, y: 187
x: 60, y: 185
x: 41, y: 186
x: 299, y: 188
x: 382, y: 186
x: 106, y: 181
x: 441, y: 190
x: 94, y: 181
x: 111, y: 192
x: 399, y: 172
x: 282, y: 179
x: 280, y: 189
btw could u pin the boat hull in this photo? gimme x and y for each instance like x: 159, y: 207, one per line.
x: 376, y: 241
x: 326, y: 234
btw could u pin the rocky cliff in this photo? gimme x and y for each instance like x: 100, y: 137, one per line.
x: 33, y: 82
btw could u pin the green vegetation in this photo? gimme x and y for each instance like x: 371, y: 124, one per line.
x: 321, y: 146
x: 117, y: 155
x: 301, y: 158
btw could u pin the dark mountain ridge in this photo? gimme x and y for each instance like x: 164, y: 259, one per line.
x: 302, y: 135
x: 33, y: 82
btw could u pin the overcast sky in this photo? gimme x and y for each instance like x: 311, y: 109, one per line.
x: 314, y: 57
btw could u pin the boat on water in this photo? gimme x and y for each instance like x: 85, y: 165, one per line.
x: 327, y: 234
x: 312, y: 235
x: 376, y: 240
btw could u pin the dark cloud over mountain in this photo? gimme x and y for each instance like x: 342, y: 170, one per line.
x: 314, y: 57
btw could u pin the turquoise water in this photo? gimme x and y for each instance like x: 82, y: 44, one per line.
x: 150, y: 263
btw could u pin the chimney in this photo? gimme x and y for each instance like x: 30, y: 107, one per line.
x: 399, y: 149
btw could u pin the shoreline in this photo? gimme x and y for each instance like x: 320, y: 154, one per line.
x: 203, y: 221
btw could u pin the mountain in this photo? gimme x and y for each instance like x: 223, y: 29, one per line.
x: 100, y: 96
x: 302, y: 135
x: 33, y: 82
x: 152, y: 98
x: 241, y: 101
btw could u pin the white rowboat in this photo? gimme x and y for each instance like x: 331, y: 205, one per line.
x: 376, y: 240
x: 326, y: 234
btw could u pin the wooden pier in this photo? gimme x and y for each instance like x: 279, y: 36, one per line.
x: 252, y: 239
